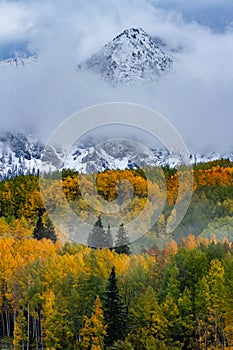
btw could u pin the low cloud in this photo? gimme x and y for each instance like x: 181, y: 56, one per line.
x: 196, y: 97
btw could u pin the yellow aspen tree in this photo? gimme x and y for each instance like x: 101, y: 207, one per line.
x: 94, y: 330
x: 50, y: 338
x: 20, y: 331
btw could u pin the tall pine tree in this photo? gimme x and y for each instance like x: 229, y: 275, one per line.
x: 98, y: 237
x: 44, y: 230
x: 115, y: 313
x: 122, y: 241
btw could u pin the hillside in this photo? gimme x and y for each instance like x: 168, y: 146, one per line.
x: 211, y: 202
x: 167, y: 295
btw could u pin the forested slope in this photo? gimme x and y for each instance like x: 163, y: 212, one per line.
x: 172, y: 292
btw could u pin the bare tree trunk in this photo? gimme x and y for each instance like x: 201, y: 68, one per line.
x: 3, y: 326
x: 35, y: 327
x: 216, y: 331
x: 6, y: 310
x: 199, y: 332
x: 22, y: 330
x: 28, y: 328
x: 14, y: 321
x: 7, y: 318
x: 41, y: 332
x: 223, y: 341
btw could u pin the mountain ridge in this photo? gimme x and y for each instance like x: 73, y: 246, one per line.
x: 22, y: 154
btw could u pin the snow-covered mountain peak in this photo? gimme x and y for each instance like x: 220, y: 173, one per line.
x: 130, y: 57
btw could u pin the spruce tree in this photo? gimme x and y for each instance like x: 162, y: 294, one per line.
x: 50, y: 231
x: 109, y: 240
x: 115, y: 313
x: 122, y: 241
x: 98, y: 237
x: 39, y: 230
x: 44, y: 230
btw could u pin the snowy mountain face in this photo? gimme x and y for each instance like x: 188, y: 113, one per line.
x: 21, y: 154
x: 133, y: 56
x: 18, y: 62
x: 111, y: 154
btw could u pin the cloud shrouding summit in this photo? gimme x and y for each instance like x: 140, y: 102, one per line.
x: 196, y: 97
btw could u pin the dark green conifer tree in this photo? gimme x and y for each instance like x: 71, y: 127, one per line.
x: 115, y: 312
x: 109, y: 240
x: 122, y: 241
x: 98, y: 237
x: 50, y: 231
x: 44, y: 230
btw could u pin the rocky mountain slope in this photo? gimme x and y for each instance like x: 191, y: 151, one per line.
x: 132, y: 56
x: 22, y: 154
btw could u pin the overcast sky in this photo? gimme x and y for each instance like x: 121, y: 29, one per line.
x: 196, y: 97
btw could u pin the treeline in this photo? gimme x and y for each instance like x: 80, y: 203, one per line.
x: 74, y: 297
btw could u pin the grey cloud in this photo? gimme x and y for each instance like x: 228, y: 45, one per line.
x: 216, y: 14
x: 196, y: 97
